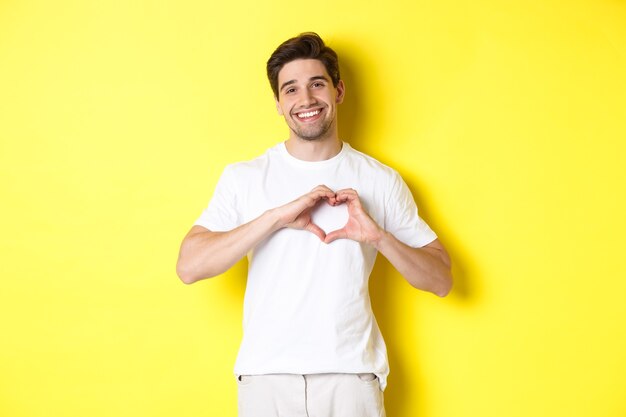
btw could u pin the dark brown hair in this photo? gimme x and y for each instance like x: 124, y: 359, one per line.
x: 307, y: 45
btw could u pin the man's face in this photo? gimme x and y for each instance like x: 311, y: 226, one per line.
x: 307, y: 99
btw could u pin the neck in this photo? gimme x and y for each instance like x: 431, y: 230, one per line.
x: 313, y: 150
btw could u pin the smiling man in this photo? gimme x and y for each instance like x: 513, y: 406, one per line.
x: 315, y: 117
x: 311, y: 214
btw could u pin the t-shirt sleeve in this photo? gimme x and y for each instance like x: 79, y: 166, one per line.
x: 222, y: 213
x: 401, y: 217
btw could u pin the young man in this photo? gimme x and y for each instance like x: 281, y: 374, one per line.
x: 311, y: 214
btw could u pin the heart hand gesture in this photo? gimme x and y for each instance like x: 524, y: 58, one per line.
x: 297, y: 214
x: 360, y: 226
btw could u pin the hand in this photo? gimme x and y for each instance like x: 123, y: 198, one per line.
x: 297, y: 214
x: 360, y: 226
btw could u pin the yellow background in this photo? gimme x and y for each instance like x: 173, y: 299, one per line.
x: 506, y: 118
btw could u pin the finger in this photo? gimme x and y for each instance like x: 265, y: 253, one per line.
x: 327, y: 194
x: 314, y: 196
x: 330, y: 195
x: 347, y: 196
x: 324, y: 191
x: 316, y: 230
x: 329, y: 198
x: 336, y: 234
x: 322, y: 186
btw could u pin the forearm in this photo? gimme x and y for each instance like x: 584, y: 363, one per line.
x: 205, y: 254
x: 426, y: 268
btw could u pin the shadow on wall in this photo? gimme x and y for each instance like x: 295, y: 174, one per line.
x: 402, y: 380
x: 354, y: 116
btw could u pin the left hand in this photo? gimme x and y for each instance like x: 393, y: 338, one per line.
x: 360, y: 226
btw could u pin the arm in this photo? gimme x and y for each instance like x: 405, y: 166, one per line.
x: 204, y: 253
x: 426, y: 268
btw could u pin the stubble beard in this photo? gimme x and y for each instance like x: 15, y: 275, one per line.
x: 312, y: 133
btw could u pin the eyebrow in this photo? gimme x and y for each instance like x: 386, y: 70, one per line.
x: 290, y: 82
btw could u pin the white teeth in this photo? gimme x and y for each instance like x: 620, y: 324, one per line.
x: 308, y: 114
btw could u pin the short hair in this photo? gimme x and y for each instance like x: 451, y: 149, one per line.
x: 307, y: 45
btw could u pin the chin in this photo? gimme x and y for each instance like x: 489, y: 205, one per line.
x: 312, y: 136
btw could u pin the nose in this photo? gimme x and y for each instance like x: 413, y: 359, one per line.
x: 307, y: 99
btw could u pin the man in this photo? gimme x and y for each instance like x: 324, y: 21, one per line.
x: 311, y: 214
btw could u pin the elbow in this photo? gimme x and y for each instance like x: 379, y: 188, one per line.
x: 186, y: 274
x: 189, y: 274
x: 445, y: 286
x: 442, y: 292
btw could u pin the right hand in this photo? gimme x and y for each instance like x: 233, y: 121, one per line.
x: 297, y: 214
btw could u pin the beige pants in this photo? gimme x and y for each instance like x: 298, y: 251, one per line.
x: 316, y: 395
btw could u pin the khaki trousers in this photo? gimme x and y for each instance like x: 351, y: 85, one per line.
x: 315, y: 395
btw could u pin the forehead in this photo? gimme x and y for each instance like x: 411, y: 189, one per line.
x: 301, y: 70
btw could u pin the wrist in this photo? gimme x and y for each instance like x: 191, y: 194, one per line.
x: 273, y: 219
x: 379, y: 239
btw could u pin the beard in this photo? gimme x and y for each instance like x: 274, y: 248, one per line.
x: 313, y: 132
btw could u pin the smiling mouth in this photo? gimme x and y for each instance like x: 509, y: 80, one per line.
x: 308, y: 115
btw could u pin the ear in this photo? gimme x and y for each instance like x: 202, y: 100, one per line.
x: 278, y: 108
x: 341, y: 92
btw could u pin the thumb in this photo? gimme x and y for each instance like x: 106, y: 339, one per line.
x: 336, y: 234
x: 316, y: 230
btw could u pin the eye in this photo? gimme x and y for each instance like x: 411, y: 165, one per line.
x: 318, y: 84
x: 290, y: 90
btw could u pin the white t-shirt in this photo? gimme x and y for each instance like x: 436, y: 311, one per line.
x: 307, y: 307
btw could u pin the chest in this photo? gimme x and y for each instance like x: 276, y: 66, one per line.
x: 270, y: 188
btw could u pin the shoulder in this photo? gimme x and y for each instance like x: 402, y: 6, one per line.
x: 252, y: 167
x: 371, y: 166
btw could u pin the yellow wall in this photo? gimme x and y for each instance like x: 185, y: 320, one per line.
x: 507, y: 119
